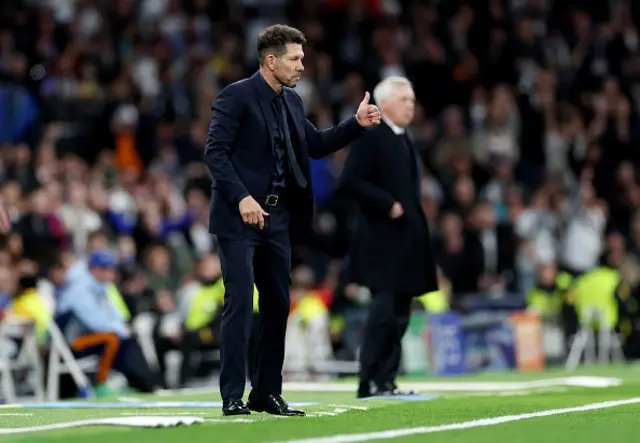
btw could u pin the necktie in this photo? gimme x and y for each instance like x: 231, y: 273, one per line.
x: 293, y: 162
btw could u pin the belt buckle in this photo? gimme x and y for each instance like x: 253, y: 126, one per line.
x: 271, y: 200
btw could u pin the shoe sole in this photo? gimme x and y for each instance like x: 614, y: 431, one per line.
x: 227, y: 414
x: 281, y: 415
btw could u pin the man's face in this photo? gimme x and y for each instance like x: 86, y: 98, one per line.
x: 210, y: 268
x: 105, y: 275
x: 399, y: 106
x: 57, y: 275
x: 288, y: 68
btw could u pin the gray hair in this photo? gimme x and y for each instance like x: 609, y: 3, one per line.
x: 383, y: 89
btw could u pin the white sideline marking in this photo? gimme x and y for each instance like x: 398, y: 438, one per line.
x: 128, y: 399
x: 233, y: 420
x: 460, y: 386
x: 452, y: 386
x: 15, y: 415
x: 137, y: 422
x: 395, y: 433
x: 143, y: 414
x: 359, y: 408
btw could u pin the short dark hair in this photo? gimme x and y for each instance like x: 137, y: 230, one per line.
x: 274, y: 40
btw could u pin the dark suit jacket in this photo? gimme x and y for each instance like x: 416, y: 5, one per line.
x: 388, y: 255
x: 239, y: 153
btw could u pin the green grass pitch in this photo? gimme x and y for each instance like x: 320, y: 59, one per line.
x: 342, y: 418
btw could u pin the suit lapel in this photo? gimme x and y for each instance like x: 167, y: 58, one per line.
x: 265, y: 106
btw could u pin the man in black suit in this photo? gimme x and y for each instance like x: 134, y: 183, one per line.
x: 258, y: 151
x: 391, y: 253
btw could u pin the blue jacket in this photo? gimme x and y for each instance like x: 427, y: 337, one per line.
x: 86, y: 300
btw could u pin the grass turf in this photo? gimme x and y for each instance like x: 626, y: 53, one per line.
x: 340, y: 413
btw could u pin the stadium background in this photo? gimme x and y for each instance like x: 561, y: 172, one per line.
x: 527, y: 122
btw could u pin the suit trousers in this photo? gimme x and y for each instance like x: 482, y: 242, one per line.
x: 263, y: 256
x: 381, y: 349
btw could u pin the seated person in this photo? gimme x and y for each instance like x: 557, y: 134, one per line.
x: 27, y: 304
x: 97, y: 241
x: 92, y: 324
x: 546, y: 297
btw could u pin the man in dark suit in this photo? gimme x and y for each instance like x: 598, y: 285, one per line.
x: 258, y: 151
x: 391, y: 252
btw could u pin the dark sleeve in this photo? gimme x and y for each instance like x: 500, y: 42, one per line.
x: 356, y: 178
x: 327, y: 141
x: 324, y: 142
x: 225, y: 120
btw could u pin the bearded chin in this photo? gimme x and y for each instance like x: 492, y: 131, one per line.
x: 285, y: 82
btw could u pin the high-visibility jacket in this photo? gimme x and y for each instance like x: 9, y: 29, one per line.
x: 115, y: 297
x: 434, y: 302
x: 29, y: 305
x: 544, y: 302
x: 205, y: 304
x: 596, y: 290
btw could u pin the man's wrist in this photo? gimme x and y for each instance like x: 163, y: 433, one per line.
x: 242, y: 197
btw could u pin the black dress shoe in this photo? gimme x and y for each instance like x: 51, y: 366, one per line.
x: 370, y: 389
x: 366, y: 390
x: 399, y: 392
x: 235, y: 407
x: 392, y: 390
x: 271, y: 404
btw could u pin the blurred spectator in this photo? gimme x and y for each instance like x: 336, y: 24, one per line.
x: 307, y: 341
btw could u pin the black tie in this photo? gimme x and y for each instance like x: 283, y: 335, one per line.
x: 293, y: 162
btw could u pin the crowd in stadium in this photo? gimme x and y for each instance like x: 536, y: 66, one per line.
x: 527, y: 123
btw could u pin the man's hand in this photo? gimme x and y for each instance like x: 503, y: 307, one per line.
x: 251, y: 212
x: 396, y: 211
x: 367, y: 115
x: 5, y: 220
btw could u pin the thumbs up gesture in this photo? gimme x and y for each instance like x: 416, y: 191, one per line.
x: 367, y: 115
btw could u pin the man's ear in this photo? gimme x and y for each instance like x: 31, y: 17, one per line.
x: 271, y: 62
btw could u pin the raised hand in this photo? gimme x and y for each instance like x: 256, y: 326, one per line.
x: 367, y: 115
